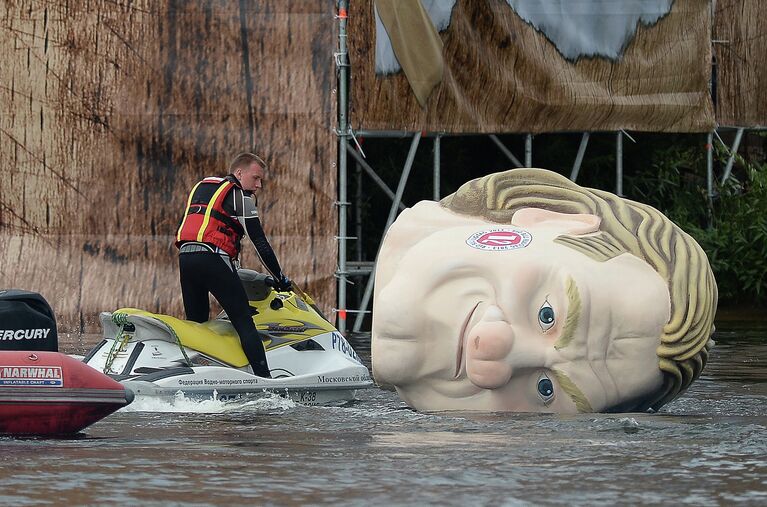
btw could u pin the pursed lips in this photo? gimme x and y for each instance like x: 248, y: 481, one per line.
x: 462, y: 340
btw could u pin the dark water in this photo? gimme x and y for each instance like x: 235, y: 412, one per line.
x: 707, y: 448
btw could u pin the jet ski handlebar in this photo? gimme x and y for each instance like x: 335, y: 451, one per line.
x: 257, y: 285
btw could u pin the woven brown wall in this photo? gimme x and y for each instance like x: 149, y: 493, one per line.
x: 741, y: 54
x: 110, y: 110
x: 501, y: 75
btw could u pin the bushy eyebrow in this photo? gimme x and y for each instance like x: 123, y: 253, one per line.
x: 575, y: 394
x: 573, y: 315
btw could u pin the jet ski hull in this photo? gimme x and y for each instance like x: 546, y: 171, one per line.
x: 324, y: 370
x: 221, y: 383
x: 160, y: 355
x: 312, y: 395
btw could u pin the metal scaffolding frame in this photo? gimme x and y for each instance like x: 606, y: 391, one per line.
x: 361, y: 268
x: 342, y: 64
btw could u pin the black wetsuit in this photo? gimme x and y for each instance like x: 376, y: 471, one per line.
x: 205, y: 269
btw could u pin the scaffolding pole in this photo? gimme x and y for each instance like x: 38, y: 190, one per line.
x: 733, y: 152
x: 619, y: 164
x: 371, y: 172
x: 358, y: 209
x: 387, y: 134
x: 342, y: 62
x: 514, y: 160
x: 710, y: 166
x: 579, y: 157
x: 529, y: 150
x: 437, y: 166
x: 710, y: 176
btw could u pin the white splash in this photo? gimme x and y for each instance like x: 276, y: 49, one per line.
x: 213, y: 405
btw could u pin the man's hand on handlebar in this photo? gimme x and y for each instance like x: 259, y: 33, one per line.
x: 283, y: 284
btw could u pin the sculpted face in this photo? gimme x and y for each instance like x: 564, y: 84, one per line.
x: 475, y: 315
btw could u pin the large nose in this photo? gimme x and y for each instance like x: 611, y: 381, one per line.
x: 488, y: 345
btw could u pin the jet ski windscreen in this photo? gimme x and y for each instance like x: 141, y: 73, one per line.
x: 27, y: 322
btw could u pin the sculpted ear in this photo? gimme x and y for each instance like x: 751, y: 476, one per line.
x: 569, y: 223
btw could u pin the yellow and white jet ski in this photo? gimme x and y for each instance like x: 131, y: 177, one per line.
x: 159, y: 355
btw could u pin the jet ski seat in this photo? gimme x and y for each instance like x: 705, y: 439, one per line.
x: 215, y: 338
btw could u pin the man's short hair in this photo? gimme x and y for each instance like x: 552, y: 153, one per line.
x: 245, y: 159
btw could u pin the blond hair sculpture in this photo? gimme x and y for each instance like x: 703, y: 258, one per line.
x: 626, y: 227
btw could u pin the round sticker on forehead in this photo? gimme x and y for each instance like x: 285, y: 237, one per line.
x: 499, y: 239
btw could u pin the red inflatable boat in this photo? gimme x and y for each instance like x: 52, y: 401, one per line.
x: 49, y: 393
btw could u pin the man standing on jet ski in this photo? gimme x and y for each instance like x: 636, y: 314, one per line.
x: 219, y: 211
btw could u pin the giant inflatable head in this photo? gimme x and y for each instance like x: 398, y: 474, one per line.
x: 525, y: 292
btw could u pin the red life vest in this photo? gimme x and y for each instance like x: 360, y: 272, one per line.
x: 209, y: 222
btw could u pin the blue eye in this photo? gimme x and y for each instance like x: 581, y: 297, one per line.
x: 545, y: 389
x: 546, y: 317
